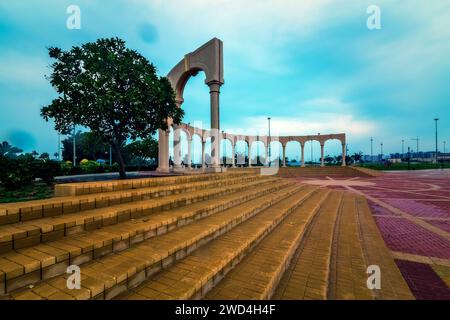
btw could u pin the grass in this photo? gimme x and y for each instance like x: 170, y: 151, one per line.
x: 404, y: 166
x: 37, y: 190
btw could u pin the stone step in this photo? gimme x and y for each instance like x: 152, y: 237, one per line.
x: 308, y: 273
x: 194, y: 276
x: 36, y: 209
x: 258, y: 274
x: 393, y: 285
x: 84, y: 188
x: 111, y: 275
x: 339, y: 271
x: 47, y: 260
x: 25, y: 234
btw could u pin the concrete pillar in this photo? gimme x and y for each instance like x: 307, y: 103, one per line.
x: 343, y: 154
x: 203, y: 154
x: 303, y: 154
x: 214, y: 91
x: 163, y: 151
x: 233, y: 155
x: 322, y: 161
x: 176, y: 148
x: 267, y: 154
x: 284, y: 155
x: 189, y: 154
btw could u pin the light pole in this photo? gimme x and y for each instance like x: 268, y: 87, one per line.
x: 436, y: 122
x: 403, y: 148
x: 417, y: 141
x: 59, y: 146
x: 268, y: 160
x: 381, y: 144
x: 371, y: 149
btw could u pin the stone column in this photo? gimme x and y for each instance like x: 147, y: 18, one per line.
x: 203, y: 154
x: 189, y: 166
x: 233, y: 155
x: 267, y: 154
x: 163, y: 151
x: 343, y: 154
x: 322, y: 161
x: 214, y: 91
x: 284, y: 155
x: 303, y: 154
x: 176, y: 148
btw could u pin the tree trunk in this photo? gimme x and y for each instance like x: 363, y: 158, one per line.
x: 116, y: 148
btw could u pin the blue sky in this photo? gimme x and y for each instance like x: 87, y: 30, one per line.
x: 313, y: 65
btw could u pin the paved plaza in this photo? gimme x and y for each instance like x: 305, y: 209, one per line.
x: 412, y: 212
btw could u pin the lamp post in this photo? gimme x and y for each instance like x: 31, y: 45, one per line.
x: 371, y: 149
x: 436, y: 123
x: 417, y: 148
x: 403, y: 148
x: 381, y: 144
x: 269, y: 155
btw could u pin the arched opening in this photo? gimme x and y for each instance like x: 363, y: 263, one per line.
x: 312, y: 153
x: 333, y: 152
x: 196, y: 150
x: 226, y: 149
x: 241, y: 150
x: 257, y: 153
x: 293, y: 153
x: 208, y: 151
x: 276, y: 153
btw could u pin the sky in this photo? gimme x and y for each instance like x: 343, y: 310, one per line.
x: 313, y: 66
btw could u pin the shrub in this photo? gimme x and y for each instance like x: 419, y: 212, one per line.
x: 47, y: 170
x: 17, y: 173
x: 89, y: 166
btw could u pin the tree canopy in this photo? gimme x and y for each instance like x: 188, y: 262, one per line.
x: 110, y: 89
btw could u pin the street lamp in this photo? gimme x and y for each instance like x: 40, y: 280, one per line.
x: 436, y: 123
x: 371, y: 149
x: 268, y: 160
x: 381, y: 144
x: 403, y: 148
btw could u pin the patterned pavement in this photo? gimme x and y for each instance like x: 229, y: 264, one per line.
x: 412, y: 211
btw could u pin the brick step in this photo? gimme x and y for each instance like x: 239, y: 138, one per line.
x: 44, y: 261
x: 36, y: 209
x: 25, y: 234
x: 111, y: 275
x: 84, y: 188
x: 258, y: 274
x: 194, y: 276
x: 308, y: 273
x: 358, y: 245
x: 340, y: 271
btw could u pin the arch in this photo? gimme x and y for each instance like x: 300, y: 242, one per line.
x: 293, y: 153
x: 209, y: 59
x: 242, y: 151
x: 276, y: 151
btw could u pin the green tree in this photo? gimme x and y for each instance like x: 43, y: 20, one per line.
x: 143, y: 150
x: 7, y: 150
x: 112, y: 90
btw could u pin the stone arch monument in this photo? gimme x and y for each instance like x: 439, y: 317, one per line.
x: 209, y: 59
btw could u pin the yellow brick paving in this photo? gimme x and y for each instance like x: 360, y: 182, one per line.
x: 307, y: 276
x: 393, y: 286
x: 348, y: 277
x: 110, y: 275
x: 256, y: 276
x: 25, y: 234
x: 193, y: 276
x: 84, y: 247
x: 36, y: 209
